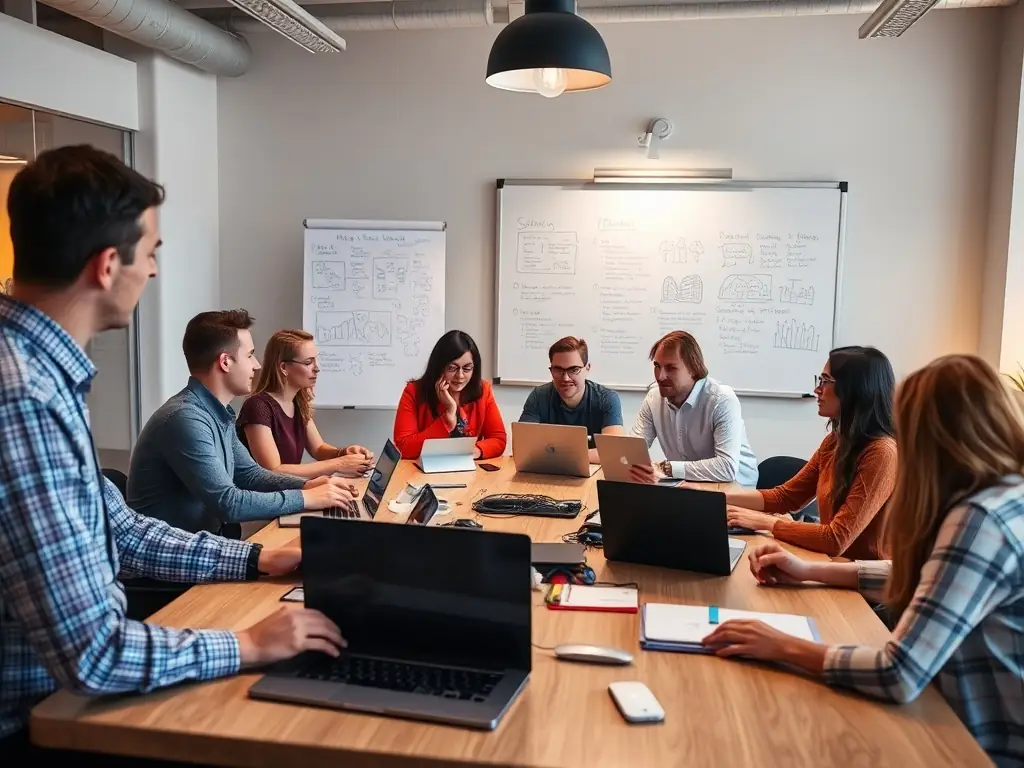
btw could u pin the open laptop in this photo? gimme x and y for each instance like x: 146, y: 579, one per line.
x: 551, y: 449
x: 367, y: 506
x: 670, y: 527
x: 426, y: 640
x: 447, y: 454
x: 424, y: 508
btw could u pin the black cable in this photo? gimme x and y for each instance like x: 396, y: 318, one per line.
x: 511, y: 504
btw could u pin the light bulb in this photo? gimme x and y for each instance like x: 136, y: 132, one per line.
x: 550, y: 81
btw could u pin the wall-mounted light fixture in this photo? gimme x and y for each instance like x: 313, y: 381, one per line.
x: 12, y: 160
x: 549, y: 50
x: 659, y: 129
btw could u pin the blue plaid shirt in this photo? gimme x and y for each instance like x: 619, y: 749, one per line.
x: 964, y: 628
x: 62, y: 608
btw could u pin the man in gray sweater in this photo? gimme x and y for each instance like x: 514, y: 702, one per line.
x: 190, y: 469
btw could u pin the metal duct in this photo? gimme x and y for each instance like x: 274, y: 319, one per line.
x: 399, y: 14
x: 164, y: 26
x: 442, y: 14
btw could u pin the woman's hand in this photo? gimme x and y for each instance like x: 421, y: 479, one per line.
x: 753, y: 639
x: 351, y: 465
x: 748, y: 518
x: 446, y: 402
x: 771, y: 565
x: 358, y: 449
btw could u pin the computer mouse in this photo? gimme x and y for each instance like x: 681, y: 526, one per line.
x: 465, y: 522
x: 592, y: 654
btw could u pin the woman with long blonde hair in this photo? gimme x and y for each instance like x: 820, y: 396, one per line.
x: 276, y: 421
x: 955, y: 530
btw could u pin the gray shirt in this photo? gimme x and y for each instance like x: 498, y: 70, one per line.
x: 705, y: 438
x: 190, y: 469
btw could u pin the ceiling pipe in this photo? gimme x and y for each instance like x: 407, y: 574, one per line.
x: 376, y: 16
x: 164, y: 26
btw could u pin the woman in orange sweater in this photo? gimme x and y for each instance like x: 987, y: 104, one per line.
x: 450, y: 400
x: 852, y: 473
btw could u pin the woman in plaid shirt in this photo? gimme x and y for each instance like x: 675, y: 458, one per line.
x: 955, y: 530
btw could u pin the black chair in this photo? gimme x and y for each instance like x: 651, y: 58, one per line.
x: 775, y: 471
x: 145, y: 596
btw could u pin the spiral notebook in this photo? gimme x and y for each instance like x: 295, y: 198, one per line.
x: 681, y: 628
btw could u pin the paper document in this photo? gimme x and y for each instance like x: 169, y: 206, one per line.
x: 690, y: 624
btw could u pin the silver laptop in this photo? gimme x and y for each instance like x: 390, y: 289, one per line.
x: 447, y: 454
x: 671, y: 527
x: 437, y: 622
x: 551, y: 449
x: 369, y: 503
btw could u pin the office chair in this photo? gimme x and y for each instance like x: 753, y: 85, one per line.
x: 145, y: 596
x: 775, y: 471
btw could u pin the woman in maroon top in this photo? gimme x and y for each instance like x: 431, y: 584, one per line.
x: 276, y: 421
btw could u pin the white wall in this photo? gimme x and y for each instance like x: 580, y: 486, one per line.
x: 402, y: 126
x: 44, y: 70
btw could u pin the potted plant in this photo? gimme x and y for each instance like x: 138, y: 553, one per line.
x: 1017, y: 380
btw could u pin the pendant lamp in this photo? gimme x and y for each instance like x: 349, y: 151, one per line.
x: 549, y: 50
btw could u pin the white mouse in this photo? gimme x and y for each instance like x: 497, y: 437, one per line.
x: 592, y: 654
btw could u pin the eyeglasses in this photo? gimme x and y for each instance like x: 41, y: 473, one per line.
x: 822, y: 380
x: 309, y: 362
x: 557, y: 371
x: 453, y: 368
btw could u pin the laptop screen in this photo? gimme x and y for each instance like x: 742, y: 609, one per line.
x: 419, y: 593
x: 380, y: 477
x: 424, y: 508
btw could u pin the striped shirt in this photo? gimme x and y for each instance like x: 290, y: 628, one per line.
x: 66, y: 534
x: 964, y: 628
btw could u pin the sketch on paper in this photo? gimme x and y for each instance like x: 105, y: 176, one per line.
x: 329, y: 275
x: 360, y: 328
x: 792, y: 334
x: 689, y: 290
x: 744, y: 288
x: 547, y: 253
x: 734, y: 254
x: 389, y: 276
x: 796, y: 293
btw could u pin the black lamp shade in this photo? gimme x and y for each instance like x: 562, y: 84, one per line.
x: 549, y: 36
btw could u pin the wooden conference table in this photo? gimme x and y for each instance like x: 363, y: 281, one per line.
x: 718, y: 712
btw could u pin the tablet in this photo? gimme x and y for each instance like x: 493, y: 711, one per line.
x: 619, y: 452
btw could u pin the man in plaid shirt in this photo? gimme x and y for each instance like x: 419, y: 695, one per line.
x: 84, y: 229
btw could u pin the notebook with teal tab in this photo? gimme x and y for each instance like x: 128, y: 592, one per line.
x: 681, y: 628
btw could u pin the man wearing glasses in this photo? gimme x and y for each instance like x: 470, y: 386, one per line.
x: 571, y: 398
x: 189, y: 467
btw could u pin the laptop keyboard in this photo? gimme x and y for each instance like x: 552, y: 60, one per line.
x: 341, y: 512
x: 461, y: 684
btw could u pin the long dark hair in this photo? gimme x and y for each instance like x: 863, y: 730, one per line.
x: 865, y: 385
x: 449, y: 348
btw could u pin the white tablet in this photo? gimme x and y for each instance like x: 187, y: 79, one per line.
x: 619, y: 452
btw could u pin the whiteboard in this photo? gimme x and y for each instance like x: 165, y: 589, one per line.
x: 750, y: 269
x: 373, y: 298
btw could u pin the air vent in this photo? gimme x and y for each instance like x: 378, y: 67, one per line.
x: 293, y: 22
x: 894, y: 17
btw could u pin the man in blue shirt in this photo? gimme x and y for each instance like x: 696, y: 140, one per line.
x: 84, y: 230
x: 571, y: 398
x: 189, y: 466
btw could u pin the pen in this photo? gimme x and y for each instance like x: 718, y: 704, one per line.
x: 447, y: 485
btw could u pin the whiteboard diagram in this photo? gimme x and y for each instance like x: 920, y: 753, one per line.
x: 796, y: 292
x: 689, y: 290
x: 734, y: 254
x: 791, y: 334
x: 547, y: 252
x: 329, y: 275
x: 755, y: 288
x: 353, y: 329
x: 389, y: 276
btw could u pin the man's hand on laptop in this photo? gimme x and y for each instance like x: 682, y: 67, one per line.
x: 287, y: 633
x: 332, y: 492
x: 649, y: 474
x: 279, y: 561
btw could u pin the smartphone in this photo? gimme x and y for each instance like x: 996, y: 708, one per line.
x: 489, y: 467
x: 294, y: 595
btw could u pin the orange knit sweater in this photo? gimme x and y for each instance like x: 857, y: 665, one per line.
x: 855, y: 529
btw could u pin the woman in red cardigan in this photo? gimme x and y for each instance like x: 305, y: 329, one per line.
x: 450, y: 400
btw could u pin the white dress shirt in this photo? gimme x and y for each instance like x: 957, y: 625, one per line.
x: 704, y: 439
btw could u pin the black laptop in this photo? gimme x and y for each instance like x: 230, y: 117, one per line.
x: 671, y: 527
x: 437, y: 622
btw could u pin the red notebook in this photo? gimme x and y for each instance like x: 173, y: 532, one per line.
x: 577, y: 597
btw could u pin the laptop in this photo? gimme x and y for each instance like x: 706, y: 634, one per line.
x: 669, y: 527
x: 447, y: 454
x: 427, y: 639
x: 551, y: 449
x: 367, y: 506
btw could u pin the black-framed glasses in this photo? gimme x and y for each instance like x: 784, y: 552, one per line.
x: 309, y: 362
x: 572, y: 372
x: 822, y: 380
x: 453, y: 368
